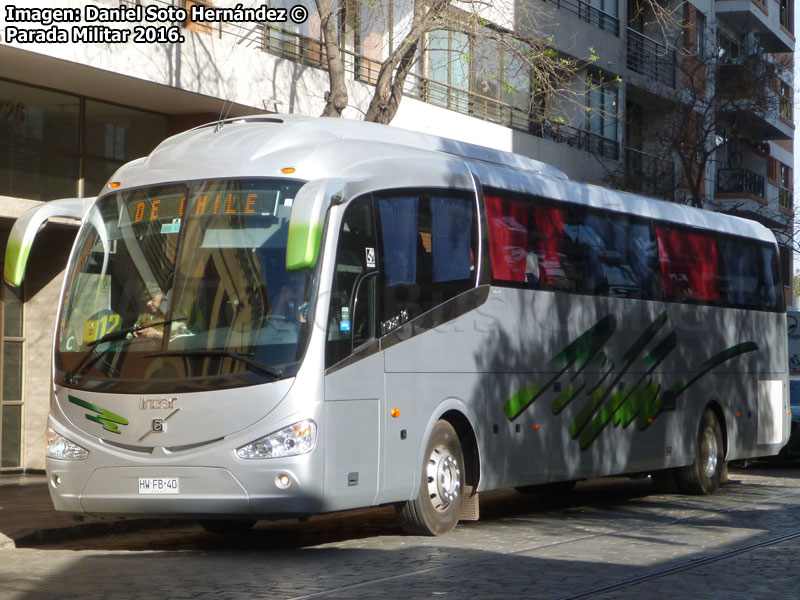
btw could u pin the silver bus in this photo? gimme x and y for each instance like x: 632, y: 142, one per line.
x: 281, y: 316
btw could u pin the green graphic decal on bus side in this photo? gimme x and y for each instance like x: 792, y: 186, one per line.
x: 643, y: 401
x: 109, y: 420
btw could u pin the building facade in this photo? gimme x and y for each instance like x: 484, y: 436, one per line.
x: 691, y: 103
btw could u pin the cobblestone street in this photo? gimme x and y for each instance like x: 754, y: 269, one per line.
x: 609, y: 539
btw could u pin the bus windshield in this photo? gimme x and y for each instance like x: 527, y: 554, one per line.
x: 184, y: 286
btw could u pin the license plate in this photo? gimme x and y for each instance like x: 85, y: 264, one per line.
x: 158, y: 485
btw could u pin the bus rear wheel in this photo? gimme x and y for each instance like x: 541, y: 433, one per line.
x: 704, y: 474
x: 436, y: 508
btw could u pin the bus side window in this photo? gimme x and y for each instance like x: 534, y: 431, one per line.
x: 351, y: 314
x: 689, y: 265
x: 556, y: 242
x: 428, y: 242
x: 621, y: 257
x: 508, y: 239
x: 749, y: 274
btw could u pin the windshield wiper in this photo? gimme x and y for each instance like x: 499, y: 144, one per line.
x: 84, y: 364
x: 273, y: 372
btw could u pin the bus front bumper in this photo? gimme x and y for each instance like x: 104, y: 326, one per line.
x: 181, y: 492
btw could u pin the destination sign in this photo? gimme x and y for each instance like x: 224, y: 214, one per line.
x: 174, y: 206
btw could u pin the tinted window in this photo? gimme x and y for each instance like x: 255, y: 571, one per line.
x: 553, y: 260
x: 507, y: 221
x: 750, y: 270
x: 619, y: 255
x: 689, y: 265
x: 427, y: 250
x: 540, y: 244
x: 351, y: 316
x: 543, y: 245
x: 794, y: 393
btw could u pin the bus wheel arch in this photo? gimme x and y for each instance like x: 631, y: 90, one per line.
x: 716, y: 407
x: 449, y: 470
x: 703, y: 475
x: 469, y: 446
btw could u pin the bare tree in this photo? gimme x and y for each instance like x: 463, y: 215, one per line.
x: 707, y: 119
x: 336, y: 97
x: 541, y: 78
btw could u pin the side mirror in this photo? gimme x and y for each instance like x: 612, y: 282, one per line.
x: 307, y: 220
x: 24, y: 231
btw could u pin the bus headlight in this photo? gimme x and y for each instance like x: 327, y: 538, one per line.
x: 63, y: 449
x: 295, y: 439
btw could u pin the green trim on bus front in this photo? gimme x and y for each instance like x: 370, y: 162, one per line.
x: 302, y: 246
x: 16, y: 259
x: 109, y: 420
x: 643, y: 401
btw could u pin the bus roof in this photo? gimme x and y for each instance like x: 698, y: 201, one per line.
x: 319, y: 148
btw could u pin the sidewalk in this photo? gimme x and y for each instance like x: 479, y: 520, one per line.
x: 27, y: 515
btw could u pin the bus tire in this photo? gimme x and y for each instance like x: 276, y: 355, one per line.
x: 703, y: 475
x: 664, y: 481
x: 436, y: 508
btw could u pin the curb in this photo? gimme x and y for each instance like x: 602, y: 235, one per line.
x: 6, y: 542
x: 34, y: 537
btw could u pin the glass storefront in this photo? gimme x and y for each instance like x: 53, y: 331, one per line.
x: 54, y: 145
x: 11, y: 398
x: 57, y: 145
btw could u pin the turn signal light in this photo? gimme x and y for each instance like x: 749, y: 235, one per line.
x: 114, y: 185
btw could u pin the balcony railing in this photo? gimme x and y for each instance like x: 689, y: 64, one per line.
x: 740, y: 181
x: 649, y: 175
x: 742, y: 80
x: 590, y: 14
x: 650, y: 58
x: 310, y: 52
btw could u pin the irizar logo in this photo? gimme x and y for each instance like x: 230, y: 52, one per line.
x: 156, y: 403
x: 109, y: 420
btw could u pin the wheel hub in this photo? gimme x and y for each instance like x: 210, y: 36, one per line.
x: 709, y: 453
x: 444, y: 478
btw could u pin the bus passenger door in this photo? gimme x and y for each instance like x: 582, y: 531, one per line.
x: 354, y: 366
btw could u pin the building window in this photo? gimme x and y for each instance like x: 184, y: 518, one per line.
x: 787, y: 15
x: 448, y: 68
x: 729, y: 49
x: 56, y: 145
x: 474, y: 75
x: 11, y: 415
x: 700, y: 33
x: 785, y: 187
x: 602, y: 109
x: 114, y: 135
x: 374, y: 37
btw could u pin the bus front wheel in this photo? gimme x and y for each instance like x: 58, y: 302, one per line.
x: 436, y: 508
x: 703, y: 475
